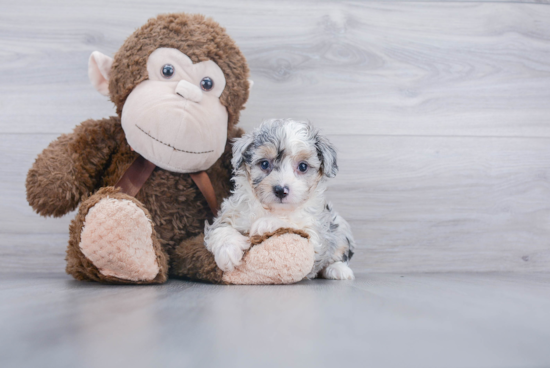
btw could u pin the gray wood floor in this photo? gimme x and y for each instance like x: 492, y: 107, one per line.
x: 440, y: 111
x: 379, y: 320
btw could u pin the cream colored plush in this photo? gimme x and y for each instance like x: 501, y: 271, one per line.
x: 170, y: 129
x: 116, y: 237
x: 99, y: 69
x: 283, y: 259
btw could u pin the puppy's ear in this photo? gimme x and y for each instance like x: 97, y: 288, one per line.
x: 327, y: 155
x: 241, y: 150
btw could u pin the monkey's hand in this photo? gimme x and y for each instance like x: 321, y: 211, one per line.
x: 68, y: 168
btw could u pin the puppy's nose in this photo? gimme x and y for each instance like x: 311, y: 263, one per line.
x: 280, y: 192
x: 189, y: 91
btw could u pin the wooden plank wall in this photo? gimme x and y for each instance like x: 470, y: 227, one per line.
x: 440, y: 112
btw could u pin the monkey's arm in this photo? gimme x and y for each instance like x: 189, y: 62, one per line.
x: 71, y: 166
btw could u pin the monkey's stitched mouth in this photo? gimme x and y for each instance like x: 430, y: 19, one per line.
x: 169, y: 145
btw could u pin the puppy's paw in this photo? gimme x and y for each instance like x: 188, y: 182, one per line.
x: 338, y: 271
x: 229, y: 254
x: 267, y: 225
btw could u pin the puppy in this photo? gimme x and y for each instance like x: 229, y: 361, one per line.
x: 280, y: 172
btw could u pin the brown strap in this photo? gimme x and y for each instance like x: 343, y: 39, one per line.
x: 140, y: 170
x: 205, y: 186
x: 257, y: 239
x: 135, y: 176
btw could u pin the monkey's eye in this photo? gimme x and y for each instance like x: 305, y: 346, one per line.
x: 302, y: 166
x: 168, y: 71
x: 207, y: 83
x: 264, y: 165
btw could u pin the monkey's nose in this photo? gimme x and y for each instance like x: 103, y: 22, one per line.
x: 280, y: 192
x: 189, y: 91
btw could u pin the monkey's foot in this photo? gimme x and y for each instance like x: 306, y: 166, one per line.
x: 113, y: 240
x: 283, y: 257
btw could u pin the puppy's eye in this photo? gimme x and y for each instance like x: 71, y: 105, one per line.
x: 168, y: 71
x: 264, y: 165
x: 207, y: 83
x: 302, y: 167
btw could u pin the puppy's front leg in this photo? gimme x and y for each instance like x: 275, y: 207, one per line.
x: 227, y: 245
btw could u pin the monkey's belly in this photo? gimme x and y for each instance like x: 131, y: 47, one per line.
x: 177, y: 207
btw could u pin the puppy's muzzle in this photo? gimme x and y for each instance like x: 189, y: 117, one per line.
x: 280, y: 192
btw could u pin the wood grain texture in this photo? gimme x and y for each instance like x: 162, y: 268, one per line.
x: 415, y: 204
x: 475, y: 203
x: 440, y: 111
x: 383, y: 68
x: 378, y: 320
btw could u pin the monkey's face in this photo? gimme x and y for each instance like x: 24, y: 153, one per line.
x: 175, y: 118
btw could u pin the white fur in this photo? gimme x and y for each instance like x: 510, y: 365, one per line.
x: 338, y: 271
x: 256, y: 210
x: 227, y: 245
x: 268, y: 224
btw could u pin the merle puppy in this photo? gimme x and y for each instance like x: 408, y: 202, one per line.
x: 280, y: 173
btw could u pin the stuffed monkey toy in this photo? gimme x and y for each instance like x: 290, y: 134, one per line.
x: 148, y: 179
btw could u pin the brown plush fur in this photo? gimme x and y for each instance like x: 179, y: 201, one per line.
x: 72, y: 166
x: 81, y: 268
x: 96, y: 154
x: 194, y: 261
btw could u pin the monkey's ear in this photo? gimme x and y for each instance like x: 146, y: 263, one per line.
x: 327, y: 155
x: 99, y: 69
x: 250, y: 84
x: 241, y: 150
